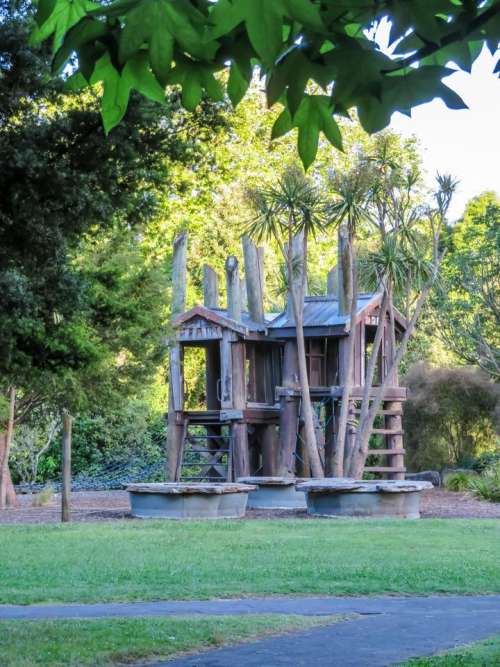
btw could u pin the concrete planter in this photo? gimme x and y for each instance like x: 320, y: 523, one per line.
x: 274, y: 493
x: 178, y: 500
x: 371, y: 498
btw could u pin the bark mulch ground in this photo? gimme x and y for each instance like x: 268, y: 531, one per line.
x: 110, y: 505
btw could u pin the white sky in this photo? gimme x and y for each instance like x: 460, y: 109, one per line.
x: 465, y: 143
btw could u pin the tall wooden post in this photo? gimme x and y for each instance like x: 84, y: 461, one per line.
x: 253, y: 277
x: 175, y: 434
x: 239, y: 432
x: 67, y: 423
x: 210, y: 287
x: 289, y: 410
x: 332, y: 282
x: 233, y: 289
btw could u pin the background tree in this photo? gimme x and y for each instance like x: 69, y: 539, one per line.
x: 399, y: 259
x: 149, y: 45
x: 467, y: 307
x: 450, y: 417
x: 81, y: 305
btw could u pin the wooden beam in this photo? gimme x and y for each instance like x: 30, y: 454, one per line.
x: 210, y: 287
x: 253, y: 280
x: 233, y: 289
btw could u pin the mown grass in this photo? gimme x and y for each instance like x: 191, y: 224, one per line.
x: 133, y: 560
x: 480, y: 654
x: 102, y: 642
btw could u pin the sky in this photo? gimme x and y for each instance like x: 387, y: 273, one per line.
x: 464, y: 143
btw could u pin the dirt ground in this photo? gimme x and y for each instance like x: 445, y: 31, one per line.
x: 107, y: 505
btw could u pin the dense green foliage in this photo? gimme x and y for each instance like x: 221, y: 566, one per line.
x: 134, y: 560
x: 318, y: 58
x: 468, y: 304
x: 450, y: 416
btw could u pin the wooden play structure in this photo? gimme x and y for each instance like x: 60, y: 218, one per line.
x: 250, y: 424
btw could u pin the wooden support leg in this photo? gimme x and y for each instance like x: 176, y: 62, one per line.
x: 289, y: 417
x: 329, y: 436
x: 175, y: 444
x: 270, y: 450
x: 394, y: 422
x: 241, y: 465
x: 303, y: 466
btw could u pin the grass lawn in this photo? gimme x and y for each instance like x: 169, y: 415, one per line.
x: 82, y: 643
x: 481, y: 654
x: 134, y: 560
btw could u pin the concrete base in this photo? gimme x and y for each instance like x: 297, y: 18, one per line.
x: 364, y: 498
x: 162, y: 503
x: 274, y: 493
x: 379, y: 505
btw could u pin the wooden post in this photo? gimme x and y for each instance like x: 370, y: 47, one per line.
x: 243, y: 295
x: 238, y: 427
x: 270, y: 450
x: 210, y: 287
x: 253, y: 278
x: 289, y: 411
x: 344, y: 272
x: 7, y: 493
x: 233, y: 289
x: 67, y: 422
x: 212, y: 351
x: 332, y: 282
x: 175, y: 433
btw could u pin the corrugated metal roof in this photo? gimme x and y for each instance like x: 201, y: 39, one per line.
x: 319, y: 311
x: 246, y: 320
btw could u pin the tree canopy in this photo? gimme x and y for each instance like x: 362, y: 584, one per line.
x: 318, y: 58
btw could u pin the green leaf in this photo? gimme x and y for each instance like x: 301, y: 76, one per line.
x: 75, y: 82
x: 308, y: 121
x: 136, y: 74
x: 115, y: 96
x: 308, y: 143
x: 191, y: 93
x: 328, y: 124
x: 224, y: 16
x: 306, y: 12
x: 237, y: 84
x: 282, y: 124
x: 264, y: 21
x: 65, y: 14
x: 87, y: 30
x: 161, y: 51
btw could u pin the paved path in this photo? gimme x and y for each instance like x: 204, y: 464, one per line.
x: 389, y: 630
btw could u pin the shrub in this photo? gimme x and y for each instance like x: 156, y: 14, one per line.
x: 450, y: 417
x: 44, y: 497
x: 458, y: 481
x: 487, y: 486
